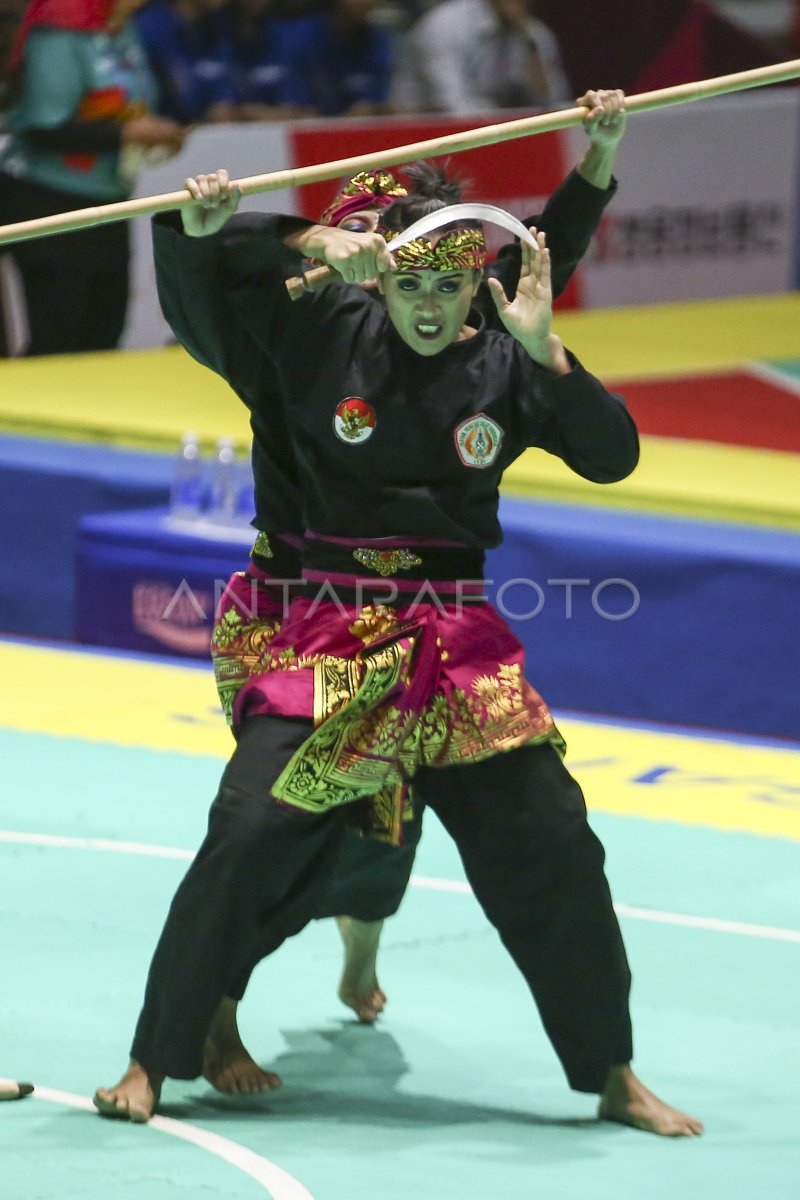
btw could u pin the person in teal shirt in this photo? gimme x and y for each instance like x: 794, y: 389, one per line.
x: 80, y: 123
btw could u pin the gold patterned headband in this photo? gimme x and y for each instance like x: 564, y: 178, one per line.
x: 368, y: 189
x: 452, y: 250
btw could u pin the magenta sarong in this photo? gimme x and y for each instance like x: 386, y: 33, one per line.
x: 389, y: 688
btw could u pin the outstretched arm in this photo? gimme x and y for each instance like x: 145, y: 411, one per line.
x: 605, y: 126
x: 573, y: 212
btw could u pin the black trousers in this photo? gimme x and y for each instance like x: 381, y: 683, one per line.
x: 519, y: 822
x: 75, y: 284
x: 368, y: 883
x: 371, y: 877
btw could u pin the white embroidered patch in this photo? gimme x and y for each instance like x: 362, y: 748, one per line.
x: 478, y: 441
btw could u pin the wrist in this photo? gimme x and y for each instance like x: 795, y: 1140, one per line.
x: 549, y: 353
x: 310, y: 241
x: 202, y: 223
x: 597, y: 165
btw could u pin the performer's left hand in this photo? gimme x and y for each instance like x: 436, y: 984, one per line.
x: 529, y: 315
x: 606, y: 120
x: 217, y: 199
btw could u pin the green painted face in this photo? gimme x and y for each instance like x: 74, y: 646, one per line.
x: 428, y: 308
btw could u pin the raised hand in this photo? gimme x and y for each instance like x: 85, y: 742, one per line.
x: 216, y: 198
x: 606, y: 121
x: 529, y: 315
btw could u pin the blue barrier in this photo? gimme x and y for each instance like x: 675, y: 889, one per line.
x: 624, y: 614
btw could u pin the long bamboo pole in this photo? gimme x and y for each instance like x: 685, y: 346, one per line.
x: 470, y: 139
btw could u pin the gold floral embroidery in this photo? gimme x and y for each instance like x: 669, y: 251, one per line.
x: 386, y: 562
x: 374, y: 622
x: 366, y: 747
x: 327, y: 770
x: 335, y: 683
x: 501, y: 693
x: 239, y: 649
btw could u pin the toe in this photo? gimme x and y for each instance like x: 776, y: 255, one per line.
x: 104, y: 1100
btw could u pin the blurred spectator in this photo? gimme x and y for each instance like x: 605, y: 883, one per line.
x: 189, y: 46
x: 80, y: 122
x: 264, y: 41
x: 341, y: 61
x: 472, y: 55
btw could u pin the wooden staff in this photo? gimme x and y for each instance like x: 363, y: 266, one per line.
x: 470, y: 139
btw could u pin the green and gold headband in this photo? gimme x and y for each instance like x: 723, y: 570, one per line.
x: 461, y: 247
x: 453, y: 250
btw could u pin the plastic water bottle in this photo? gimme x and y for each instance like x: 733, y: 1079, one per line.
x: 224, y: 483
x: 186, y: 495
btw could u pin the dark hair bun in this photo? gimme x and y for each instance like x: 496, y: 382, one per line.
x: 429, y: 190
x: 430, y: 180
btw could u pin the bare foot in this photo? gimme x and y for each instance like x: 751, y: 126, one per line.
x: 11, y: 1090
x: 134, y: 1098
x: 629, y: 1102
x: 359, y: 988
x: 226, y: 1064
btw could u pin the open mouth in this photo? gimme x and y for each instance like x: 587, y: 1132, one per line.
x: 428, y: 332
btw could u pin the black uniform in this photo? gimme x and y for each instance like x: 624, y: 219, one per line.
x: 203, y: 325
x: 518, y: 818
x: 371, y: 879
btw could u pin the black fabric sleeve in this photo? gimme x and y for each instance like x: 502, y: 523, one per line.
x: 194, y: 303
x: 570, y: 220
x: 81, y: 137
x: 575, y: 418
x: 255, y: 263
x: 252, y: 243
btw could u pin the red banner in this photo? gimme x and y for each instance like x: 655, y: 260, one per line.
x: 517, y: 175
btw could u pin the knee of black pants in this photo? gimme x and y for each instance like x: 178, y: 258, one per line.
x: 371, y: 877
x: 247, y: 825
x: 369, y: 882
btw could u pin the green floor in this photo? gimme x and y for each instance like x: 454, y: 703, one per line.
x: 456, y: 1092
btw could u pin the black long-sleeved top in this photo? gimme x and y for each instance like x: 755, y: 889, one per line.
x: 408, y: 477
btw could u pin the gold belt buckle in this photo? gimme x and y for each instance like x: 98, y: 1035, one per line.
x: 386, y: 562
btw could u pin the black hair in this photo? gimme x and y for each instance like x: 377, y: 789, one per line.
x: 430, y: 188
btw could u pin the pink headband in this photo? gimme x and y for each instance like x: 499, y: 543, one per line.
x: 369, y: 189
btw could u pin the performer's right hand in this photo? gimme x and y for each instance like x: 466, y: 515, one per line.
x: 358, y: 257
x: 217, y: 200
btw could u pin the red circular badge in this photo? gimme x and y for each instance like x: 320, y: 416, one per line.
x: 354, y: 420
